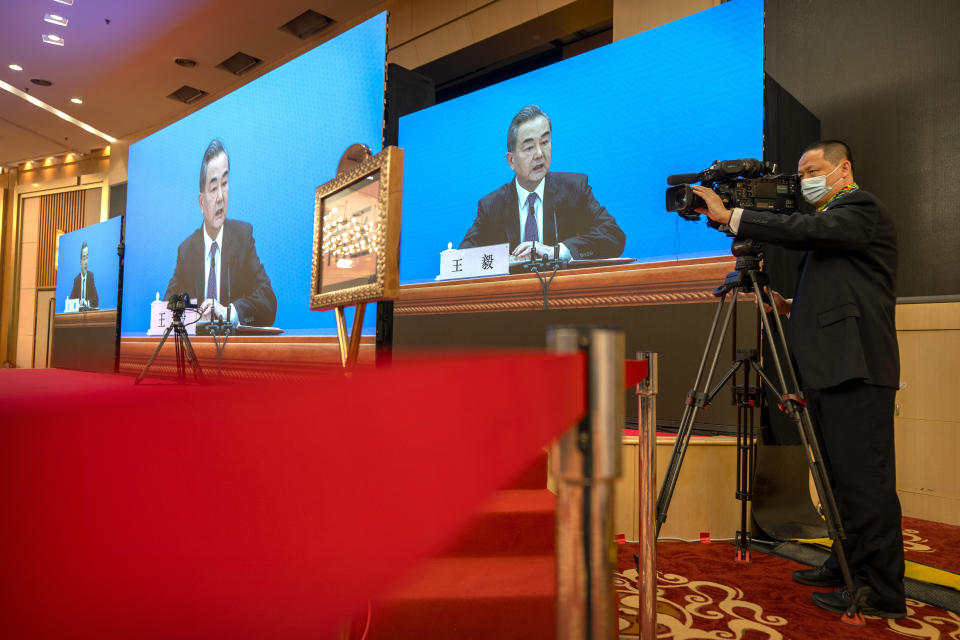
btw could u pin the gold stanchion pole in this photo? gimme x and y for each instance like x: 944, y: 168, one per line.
x: 586, y: 461
x: 647, y: 511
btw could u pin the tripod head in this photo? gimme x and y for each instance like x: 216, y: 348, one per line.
x: 178, y: 303
x: 749, y: 255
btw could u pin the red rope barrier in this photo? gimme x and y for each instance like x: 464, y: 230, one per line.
x: 247, y: 510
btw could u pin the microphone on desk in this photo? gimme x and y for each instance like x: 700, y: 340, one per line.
x: 556, y: 236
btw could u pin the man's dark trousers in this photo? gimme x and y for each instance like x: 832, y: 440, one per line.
x: 854, y: 423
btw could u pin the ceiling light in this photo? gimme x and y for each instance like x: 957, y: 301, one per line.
x: 52, y: 38
x: 53, y: 18
x: 76, y: 100
x: 67, y: 2
x: 16, y: 67
x: 60, y: 114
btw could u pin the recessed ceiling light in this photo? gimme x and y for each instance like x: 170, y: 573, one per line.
x: 53, y: 18
x: 16, y: 67
x: 76, y: 100
x: 66, y: 2
x: 40, y: 82
x: 52, y: 38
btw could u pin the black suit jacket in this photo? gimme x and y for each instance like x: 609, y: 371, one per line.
x: 585, y: 227
x: 92, y: 297
x: 243, y: 280
x: 841, y: 324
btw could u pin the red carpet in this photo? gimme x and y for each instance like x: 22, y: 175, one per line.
x: 496, y: 580
x: 703, y: 593
x: 932, y: 543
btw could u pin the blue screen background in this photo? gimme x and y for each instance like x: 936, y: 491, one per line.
x: 102, y: 260
x: 284, y: 133
x: 666, y: 101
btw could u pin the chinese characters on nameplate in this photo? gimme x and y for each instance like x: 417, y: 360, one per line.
x: 161, y: 317
x: 475, y: 262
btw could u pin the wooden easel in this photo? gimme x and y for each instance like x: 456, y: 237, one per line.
x: 349, y: 343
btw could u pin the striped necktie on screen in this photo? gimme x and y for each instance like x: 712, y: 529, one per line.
x: 212, y: 278
x: 530, y: 226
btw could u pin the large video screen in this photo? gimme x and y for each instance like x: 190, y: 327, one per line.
x: 241, y: 174
x: 616, y: 122
x: 87, y: 268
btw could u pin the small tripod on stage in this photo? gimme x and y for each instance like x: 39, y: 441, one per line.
x: 748, y: 278
x: 184, y: 350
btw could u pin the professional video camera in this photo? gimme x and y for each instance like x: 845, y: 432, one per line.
x: 179, y: 302
x: 747, y: 183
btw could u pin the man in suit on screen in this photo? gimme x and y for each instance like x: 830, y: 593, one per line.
x: 539, y: 210
x: 83, y: 285
x: 843, y: 335
x: 218, y: 262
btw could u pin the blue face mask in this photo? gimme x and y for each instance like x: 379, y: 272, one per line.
x: 815, y: 188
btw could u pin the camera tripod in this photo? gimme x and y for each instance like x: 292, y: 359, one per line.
x: 183, y: 348
x: 748, y: 278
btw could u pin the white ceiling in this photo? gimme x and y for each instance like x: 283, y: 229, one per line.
x: 124, y: 71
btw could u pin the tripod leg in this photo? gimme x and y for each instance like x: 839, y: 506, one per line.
x: 156, y: 352
x: 797, y: 410
x: 189, y: 355
x: 181, y: 368
x: 695, y: 399
x: 746, y: 449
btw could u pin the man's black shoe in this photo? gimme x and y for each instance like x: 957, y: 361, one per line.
x: 819, y: 577
x: 839, y: 601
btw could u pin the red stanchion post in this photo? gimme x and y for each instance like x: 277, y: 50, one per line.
x: 647, y: 508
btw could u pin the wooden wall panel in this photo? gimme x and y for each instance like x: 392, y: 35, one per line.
x: 58, y: 211
x: 927, y: 421
x: 705, y: 495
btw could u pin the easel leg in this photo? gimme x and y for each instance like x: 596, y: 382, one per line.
x: 342, y: 334
x: 349, y: 343
x: 354, y: 350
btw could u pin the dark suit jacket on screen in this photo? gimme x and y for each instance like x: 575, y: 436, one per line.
x: 243, y: 280
x: 585, y: 227
x: 841, y: 324
x: 92, y: 297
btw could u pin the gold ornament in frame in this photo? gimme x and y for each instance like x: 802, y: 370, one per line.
x: 356, y: 234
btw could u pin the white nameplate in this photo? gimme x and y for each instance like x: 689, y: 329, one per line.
x: 476, y: 262
x: 161, y: 317
x: 72, y: 305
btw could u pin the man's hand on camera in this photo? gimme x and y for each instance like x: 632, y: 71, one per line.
x: 715, y: 209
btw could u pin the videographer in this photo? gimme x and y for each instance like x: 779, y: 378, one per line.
x: 842, y: 332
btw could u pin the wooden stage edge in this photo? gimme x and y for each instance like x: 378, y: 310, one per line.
x: 671, y: 282
x: 267, y: 357
x: 244, y: 357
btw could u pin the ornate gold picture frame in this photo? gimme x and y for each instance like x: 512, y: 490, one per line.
x: 356, y: 234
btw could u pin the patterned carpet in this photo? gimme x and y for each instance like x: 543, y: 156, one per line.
x: 932, y: 543
x: 702, y: 593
